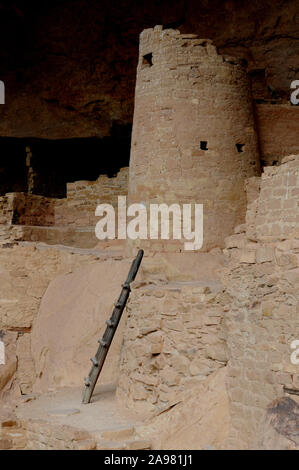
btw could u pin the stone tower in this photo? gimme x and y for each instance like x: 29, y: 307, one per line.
x: 194, y: 137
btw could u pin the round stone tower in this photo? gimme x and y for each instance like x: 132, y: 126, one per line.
x: 194, y: 138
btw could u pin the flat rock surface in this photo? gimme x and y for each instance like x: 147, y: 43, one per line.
x: 64, y: 407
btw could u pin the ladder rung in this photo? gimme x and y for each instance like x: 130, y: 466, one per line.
x: 126, y: 285
x: 110, y: 323
x: 102, y: 343
x: 94, y: 361
x: 117, y: 304
x: 87, y: 381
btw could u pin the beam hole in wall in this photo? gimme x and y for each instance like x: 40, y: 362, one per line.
x: 240, y: 147
x: 203, y: 145
x: 147, y: 60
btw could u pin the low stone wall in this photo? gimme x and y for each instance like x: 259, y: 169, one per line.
x: 70, y: 221
x: 26, y: 209
x: 277, y: 211
x: 78, y: 209
x: 174, y: 339
x: 263, y: 282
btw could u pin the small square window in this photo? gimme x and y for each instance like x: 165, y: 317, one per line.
x: 240, y: 147
x: 147, y: 60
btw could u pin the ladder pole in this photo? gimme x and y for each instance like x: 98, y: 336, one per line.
x: 112, y: 324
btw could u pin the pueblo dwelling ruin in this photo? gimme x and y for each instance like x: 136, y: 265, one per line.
x: 205, y: 356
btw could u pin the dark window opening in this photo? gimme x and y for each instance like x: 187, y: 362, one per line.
x: 240, y: 147
x: 44, y: 167
x: 203, y: 145
x: 147, y: 60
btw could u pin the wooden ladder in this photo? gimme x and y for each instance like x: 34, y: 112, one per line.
x: 105, y: 342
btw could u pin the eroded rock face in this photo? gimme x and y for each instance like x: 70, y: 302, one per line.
x: 69, y: 66
x: 25, y: 273
x: 70, y: 321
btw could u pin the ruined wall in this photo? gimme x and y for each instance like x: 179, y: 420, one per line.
x: 277, y: 211
x: 78, y: 208
x: 5, y: 210
x: 262, y: 280
x: 174, y: 339
x: 26, y: 209
x: 193, y: 133
x: 70, y: 221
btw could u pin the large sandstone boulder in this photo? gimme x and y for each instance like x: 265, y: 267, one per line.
x: 71, y: 319
x: 198, y: 419
x: 25, y: 273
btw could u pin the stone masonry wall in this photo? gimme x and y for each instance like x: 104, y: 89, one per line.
x: 69, y: 221
x: 5, y: 210
x: 263, y: 282
x: 173, y: 340
x: 278, y: 215
x: 78, y: 209
x: 194, y: 138
x: 26, y: 209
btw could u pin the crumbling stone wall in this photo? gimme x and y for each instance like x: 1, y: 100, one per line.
x: 277, y: 211
x: 78, y: 209
x: 194, y: 137
x: 263, y: 282
x: 5, y: 210
x: 174, y: 339
x: 69, y: 221
x: 26, y: 209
